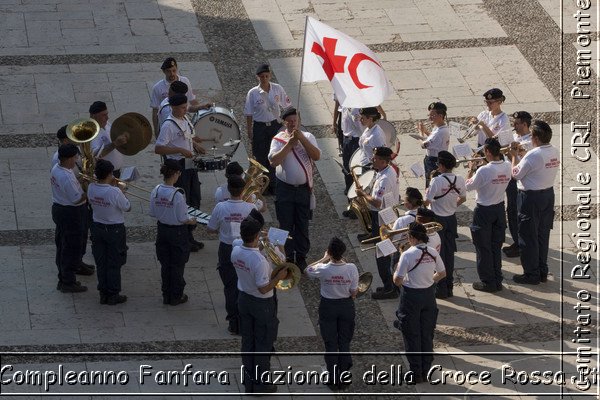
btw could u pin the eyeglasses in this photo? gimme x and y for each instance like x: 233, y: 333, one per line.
x: 490, y: 101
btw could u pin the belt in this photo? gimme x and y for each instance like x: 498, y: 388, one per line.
x: 108, y: 225
x: 170, y: 226
x: 491, y: 205
x: 537, y: 191
x: 269, y: 123
x: 294, y: 186
x: 335, y: 300
x: 64, y: 206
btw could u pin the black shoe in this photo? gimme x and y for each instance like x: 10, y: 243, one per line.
x: 180, y: 300
x: 441, y: 295
x: 512, y: 252
x: 59, y: 285
x: 90, y: 266
x: 397, y: 325
x: 512, y: 246
x: 116, y: 299
x: 450, y: 293
x: 194, y: 248
x: 349, y: 214
x: 543, y: 278
x: 363, y: 236
x: 73, y: 288
x: 233, y: 328
x: 84, y: 270
x: 526, y: 279
x: 379, y: 289
x: 197, y: 243
x: 482, y: 287
x: 499, y: 287
x: 390, y: 294
x: 103, y: 298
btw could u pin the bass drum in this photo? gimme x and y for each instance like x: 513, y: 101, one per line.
x: 356, y: 158
x: 390, y: 133
x: 364, y: 180
x: 219, y: 130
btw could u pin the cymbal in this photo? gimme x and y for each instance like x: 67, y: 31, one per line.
x: 138, y: 129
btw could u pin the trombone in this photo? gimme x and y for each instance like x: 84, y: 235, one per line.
x: 471, y: 131
x: 123, y: 185
x: 385, y: 232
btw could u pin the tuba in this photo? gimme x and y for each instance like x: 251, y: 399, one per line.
x: 293, y: 275
x: 257, y: 181
x: 82, y: 132
x: 359, y: 205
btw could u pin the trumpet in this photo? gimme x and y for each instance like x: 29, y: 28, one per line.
x: 359, y: 204
x: 293, y: 274
x: 471, y: 131
x: 467, y: 160
x: 385, y: 232
x: 521, y: 147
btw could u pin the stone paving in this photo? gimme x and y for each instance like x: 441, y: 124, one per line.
x: 56, y: 57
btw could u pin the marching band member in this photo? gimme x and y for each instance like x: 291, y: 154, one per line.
x: 386, y: 182
x: 103, y: 147
x: 222, y: 220
x: 424, y: 216
x: 489, y: 222
x: 160, y: 90
x: 521, y: 124
x: 293, y: 154
x: 413, y: 199
x: 416, y: 273
x: 493, y: 120
x: 164, y: 110
x: 373, y: 136
x: 68, y: 210
x: 446, y: 192
x: 108, y: 232
x: 232, y: 169
x: 176, y: 141
x: 257, y: 305
x: 61, y: 135
x: 168, y: 206
x: 535, y: 174
x: 435, y: 141
x: 264, y: 102
x: 339, y: 286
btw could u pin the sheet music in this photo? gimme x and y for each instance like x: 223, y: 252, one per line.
x: 235, y: 229
x: 277, y: 236
x: 129, y: 174
x: 417, y: 169
x: 389, y: 200
x: 462, y: 150
x: 387, y: 216
x: 385, y: 248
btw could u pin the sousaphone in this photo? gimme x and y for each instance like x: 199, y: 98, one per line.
x: 138, y: 130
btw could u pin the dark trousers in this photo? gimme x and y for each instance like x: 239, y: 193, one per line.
x: 86, y: 221
x: 67, y: 237
x: 536, y: 216
x: 383, y: 263
x: 430, y: 165
x: 258, y: 327
x: 487, y: 231
x: 110, y: 253
x: 512, y: 210
x: 189, y: 182
x: 336, y: 322
x: 349, y: 146
x: 229, y: 279
x: 262, y: 135
x: 448, y: 237
x: 292, y: 207
x: 417, y: 316
x: 172, y: 251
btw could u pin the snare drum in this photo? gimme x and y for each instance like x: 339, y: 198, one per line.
x: 219, y: 130
x: 390, y: 133
x: 204, y: 163
x: 365, y: 181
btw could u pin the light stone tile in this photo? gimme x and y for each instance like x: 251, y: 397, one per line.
x: 569, y: 8
x: 62, y: 319
x: 39, y: 337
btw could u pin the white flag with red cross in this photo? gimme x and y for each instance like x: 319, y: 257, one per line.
x: 357, y: 77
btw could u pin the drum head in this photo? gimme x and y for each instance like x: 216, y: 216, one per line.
x: 390, y: 133
x: 218, y: 127
x: 364, y: 180
x: 356, y: 158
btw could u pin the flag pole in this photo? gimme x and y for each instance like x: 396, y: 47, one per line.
x: 302, y: 65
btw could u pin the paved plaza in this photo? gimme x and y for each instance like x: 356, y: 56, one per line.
x: 59, y: 56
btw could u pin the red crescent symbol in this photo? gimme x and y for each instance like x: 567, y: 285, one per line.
x: 353, y: 66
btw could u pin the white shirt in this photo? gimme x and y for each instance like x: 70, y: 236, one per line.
x: 445, y: 206
x: 266, y: 106
x: 370, y: 138
x: 538, y: 168
x: 422, y: 276
x: 252, y: 269
x: 176, y: 132
x: 337, y: 280
x: 350, y: 122
x: 409, y: 217
x: 103, y: 140
x: 435, y: 241
x: 164, y: 110
x: 167, y: 204
x: 66, y: 190
x: 496, y: 124
x: 108, y: 203
x: 160, y: 91
x: 438, y: 140
x: 226, y: 213
x: 490, y: 182
x: 386, y: 181
x: 291, y: 171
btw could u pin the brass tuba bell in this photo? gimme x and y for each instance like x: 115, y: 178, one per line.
x: 82, y: 131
